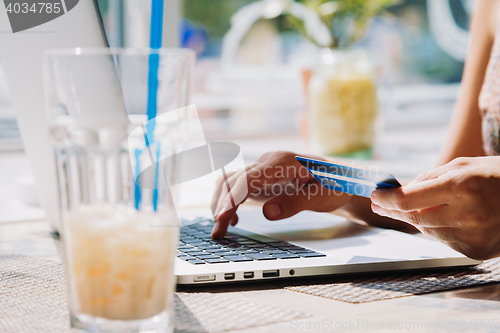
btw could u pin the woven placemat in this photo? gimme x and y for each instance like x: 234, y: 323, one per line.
x: 33, y: 299
x: 202, y: 312
x: 362, y: 289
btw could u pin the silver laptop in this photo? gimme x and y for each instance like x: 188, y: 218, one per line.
x: 307, y: 244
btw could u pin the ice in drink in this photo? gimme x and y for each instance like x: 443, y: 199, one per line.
x: 120, y: 261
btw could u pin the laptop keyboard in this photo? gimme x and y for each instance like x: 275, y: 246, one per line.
x: 197, y: 247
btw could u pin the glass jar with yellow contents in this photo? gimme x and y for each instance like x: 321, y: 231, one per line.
x: 343, y: 104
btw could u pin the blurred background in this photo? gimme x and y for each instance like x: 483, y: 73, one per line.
x: 253, y: 63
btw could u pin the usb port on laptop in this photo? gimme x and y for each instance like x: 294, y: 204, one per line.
x: 273, y: 273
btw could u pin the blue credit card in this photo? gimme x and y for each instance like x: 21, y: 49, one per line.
x: 347, y: 179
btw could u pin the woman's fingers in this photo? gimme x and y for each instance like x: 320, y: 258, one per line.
x: 226, y: 218
x: 258, y: 181
x: 286, y: 205
x: 429, y: 189
x: 461, y: 241
x: 234, y: 220
x: 454, y: 165
x: 440, y: 223
x: 216, y: 196
x: 312, y: 196
x: 446, y: 234
x: 267, y: 178
x: 232, y: 192
x: 229, y: 201
x: 432, y: 174
x: 430, y: 193
x: 435, y: 217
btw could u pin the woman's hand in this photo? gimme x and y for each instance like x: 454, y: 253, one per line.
x: 279, y: 181
x: 457, y: 203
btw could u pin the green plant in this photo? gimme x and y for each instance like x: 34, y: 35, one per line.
x: 347, y: 20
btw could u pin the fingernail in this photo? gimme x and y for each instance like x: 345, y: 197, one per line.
x: 378, y: 210
x: 272, y: 211
x: 374, y: 197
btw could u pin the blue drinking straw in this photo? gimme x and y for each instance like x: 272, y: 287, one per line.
x: 154, y: 62
x: 137, y: 188
x: 155, y: 190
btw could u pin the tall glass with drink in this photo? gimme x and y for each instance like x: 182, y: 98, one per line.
x: 115, y: 162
